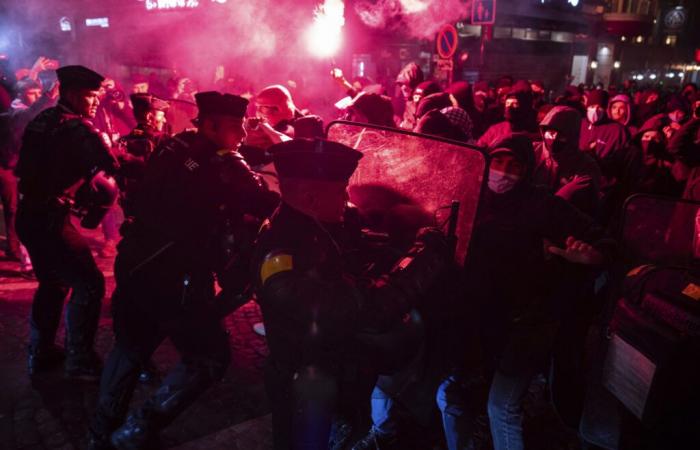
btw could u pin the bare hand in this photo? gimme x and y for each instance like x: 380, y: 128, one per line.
x: 53, y: 90
x: 337, y: 74
x: 578, y: 252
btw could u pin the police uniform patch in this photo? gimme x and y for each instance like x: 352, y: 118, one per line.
x: 692, y: 291
x: 275, y: 263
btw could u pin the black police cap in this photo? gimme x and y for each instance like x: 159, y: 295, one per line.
x: 79, y: 77
x: 314, y: 159
x: 216, y: 103
x: 148, y: 102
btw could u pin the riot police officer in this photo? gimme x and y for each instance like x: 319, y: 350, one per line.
x: 314, y: 307
x: 137, y: 146
x: 62, y: 155
x: 195, y: 192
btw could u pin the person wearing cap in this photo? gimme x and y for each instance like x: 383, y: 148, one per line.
x: 518, y: 114
x: 656, y: 174
x: 606, y: 141
x: 314, y: 306
x: 61, y: 154
x: 24, y: 108
x: 559, y: 165
x: 188, y: 227
x: 138, y: 145
x: 510, y: 288
x: 371, y: 108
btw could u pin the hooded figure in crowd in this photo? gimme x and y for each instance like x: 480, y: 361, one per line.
x: 559, y: 165
x: 407, y: 80
x: 518, y: 318
x: 655, y: 174
x: 519, y: 116
x: 606, y: 141
x: 620, y: 110
x: 371, y: 108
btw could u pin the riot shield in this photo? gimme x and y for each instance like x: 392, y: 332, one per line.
x: 660, y: 230
x: 406, y: 180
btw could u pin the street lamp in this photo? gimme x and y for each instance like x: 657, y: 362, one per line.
x: 616, y: 64
x: 594, y: 65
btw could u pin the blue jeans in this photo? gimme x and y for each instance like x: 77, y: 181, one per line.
x: 457, y: 418
x: 383, y: 409
x: 505, y: 410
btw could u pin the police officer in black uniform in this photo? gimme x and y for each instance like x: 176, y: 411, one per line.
x: 196, y: 190
x: 137, y: 146
x: 63, y: 155
x: 314, y: 305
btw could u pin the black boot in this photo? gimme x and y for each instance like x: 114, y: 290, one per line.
x: 84, y: 366
x: 375, y: 440
x: 43, y: 359
x: 138, y: 433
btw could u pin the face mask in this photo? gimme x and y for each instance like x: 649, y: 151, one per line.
x: 594, y: 114
x: 653, y: 148
x: 500, y: 182
x: 676, y: 117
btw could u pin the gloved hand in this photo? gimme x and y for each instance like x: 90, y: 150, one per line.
x: 435, y: 240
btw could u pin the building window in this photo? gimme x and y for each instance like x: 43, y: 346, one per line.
x: 501, y: 32
x: 562, y: 36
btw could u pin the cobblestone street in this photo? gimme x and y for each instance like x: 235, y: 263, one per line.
x: 51, y: 413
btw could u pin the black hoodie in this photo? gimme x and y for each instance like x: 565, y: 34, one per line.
x: 507, y: 278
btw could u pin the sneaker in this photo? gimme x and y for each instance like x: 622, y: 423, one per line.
x: 83, y: 367
x: 44, y: 359
x: 375, y: 441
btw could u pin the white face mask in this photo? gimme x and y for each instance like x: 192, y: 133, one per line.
x: 500, y: 182
x: 594, y: 114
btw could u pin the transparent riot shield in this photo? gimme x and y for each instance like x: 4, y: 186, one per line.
x: 660, y: 230
x: 406, y: 180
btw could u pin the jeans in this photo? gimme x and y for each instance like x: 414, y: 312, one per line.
x: 457, y: 419
x: 384, y: 419
x: 505, y: 410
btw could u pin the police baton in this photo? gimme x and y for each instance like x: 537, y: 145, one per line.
x: 452, y: 226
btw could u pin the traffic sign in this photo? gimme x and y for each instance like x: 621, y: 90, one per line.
x: 446, y: 65
x: 483, y: 12
x: 447, y: 41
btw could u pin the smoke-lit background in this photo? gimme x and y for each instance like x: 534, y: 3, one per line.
x: 257, y: 42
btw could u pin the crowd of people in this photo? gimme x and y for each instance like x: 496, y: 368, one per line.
x: 193, y: 188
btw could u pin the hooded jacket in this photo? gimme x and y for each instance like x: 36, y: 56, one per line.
x: 571, y: 174
x: 606, y: 141
x: 412, y: 75
x: 525, y: 121
x: 622, y: 98
x: 506, y: 273
x: 654, y: 175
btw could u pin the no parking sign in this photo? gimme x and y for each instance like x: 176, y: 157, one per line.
x: 447, y: 41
